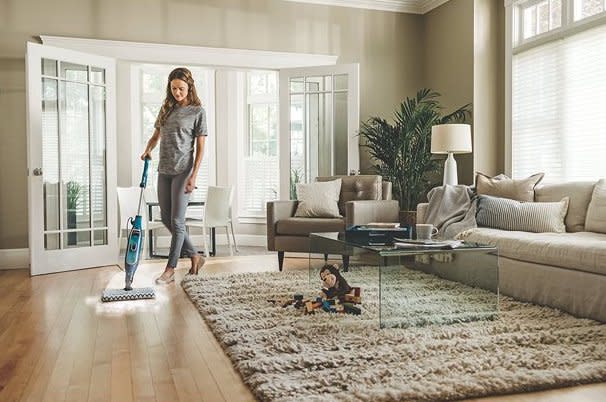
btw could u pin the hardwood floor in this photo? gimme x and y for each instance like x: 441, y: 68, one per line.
x: 60, y: 343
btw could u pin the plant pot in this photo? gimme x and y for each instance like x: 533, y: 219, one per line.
x: 72, y: 237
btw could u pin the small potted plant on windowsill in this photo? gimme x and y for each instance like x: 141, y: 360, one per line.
x: 401, y: 151
x: 73, y: 191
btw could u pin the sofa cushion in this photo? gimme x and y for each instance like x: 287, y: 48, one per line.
x: 579, y: 194
x: 304, y: 226
x: 504, y: 187
x: 581, y: 251
x: 506, y: 214
x: 355, y: 188
x: 596, y: 212
x: 318, y: 200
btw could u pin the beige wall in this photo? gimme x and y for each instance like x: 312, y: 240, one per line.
x: 488, y: 89
x: 13, y: 163
x: 448, y: 55
x: 388, y: 47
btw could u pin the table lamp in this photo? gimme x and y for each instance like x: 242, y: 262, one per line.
x: 450, y: 139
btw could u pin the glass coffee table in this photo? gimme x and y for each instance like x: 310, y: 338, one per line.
x: 415, y: 285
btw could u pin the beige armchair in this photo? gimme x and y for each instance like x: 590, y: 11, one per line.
x: 363, y: 199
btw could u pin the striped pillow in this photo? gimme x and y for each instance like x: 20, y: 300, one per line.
x: 506, y: 214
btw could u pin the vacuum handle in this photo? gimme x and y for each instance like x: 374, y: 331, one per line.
x: 144, y: 176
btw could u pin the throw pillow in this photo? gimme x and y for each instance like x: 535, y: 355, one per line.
x: 504, y: 187
x: 596, y: 211
x: 506, y: 214
x: 319, y: 199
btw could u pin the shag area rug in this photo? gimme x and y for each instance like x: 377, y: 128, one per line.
x: 284, y: 355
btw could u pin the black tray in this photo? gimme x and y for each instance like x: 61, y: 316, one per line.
x: 362, y: 234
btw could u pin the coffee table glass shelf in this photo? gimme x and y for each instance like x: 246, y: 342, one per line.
x: 416, y: 284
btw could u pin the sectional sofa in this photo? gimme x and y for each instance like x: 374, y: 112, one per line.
x: 562, y: 270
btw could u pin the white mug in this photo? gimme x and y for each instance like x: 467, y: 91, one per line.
x: 425, y: 231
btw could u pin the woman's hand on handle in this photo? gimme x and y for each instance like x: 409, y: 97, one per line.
x: 190, y: 184
x: 151, y: 144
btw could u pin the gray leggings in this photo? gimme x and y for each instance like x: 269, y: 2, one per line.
x: 173, y: 203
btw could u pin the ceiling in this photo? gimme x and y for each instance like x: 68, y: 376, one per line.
x: 400, y: 6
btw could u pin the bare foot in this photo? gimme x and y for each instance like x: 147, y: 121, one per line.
x: 197, y: 261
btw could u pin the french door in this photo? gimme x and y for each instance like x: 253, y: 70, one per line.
x: 319, y: 123
x: 71, y: 159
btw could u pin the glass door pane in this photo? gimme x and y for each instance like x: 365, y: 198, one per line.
x: 98, y: 162
x: 50, y: 160
x: 298, y: 143
x: 75, y: 167
x: 340, y: 133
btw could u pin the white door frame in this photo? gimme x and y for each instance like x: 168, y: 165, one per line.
x: 48, y: 261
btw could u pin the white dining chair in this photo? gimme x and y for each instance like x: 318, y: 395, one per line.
x: 128, y: 204
x: 217, y: 213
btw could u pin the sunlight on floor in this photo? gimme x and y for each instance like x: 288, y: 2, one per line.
x: 144, y: 277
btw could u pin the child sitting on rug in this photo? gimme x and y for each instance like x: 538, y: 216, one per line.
x: 334, y: 285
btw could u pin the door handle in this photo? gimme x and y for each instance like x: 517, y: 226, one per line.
x: 38, y: 172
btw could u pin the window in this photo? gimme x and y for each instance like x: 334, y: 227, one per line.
x: 259, y: 176
x: 559, y: 96
x: 587, y: 8
x: 152, y: 93
x: 541, y: 17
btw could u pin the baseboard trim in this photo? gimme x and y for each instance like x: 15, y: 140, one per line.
x: 241, y: 239
x: 16, y: 258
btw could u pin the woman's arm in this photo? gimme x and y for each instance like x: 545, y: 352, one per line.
x: 191, y: 181
x: 151, y: 144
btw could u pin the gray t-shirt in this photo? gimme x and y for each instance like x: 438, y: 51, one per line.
x: 177, y: 136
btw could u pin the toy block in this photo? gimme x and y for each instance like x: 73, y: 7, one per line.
x: 353, y: 299
x: 311, y: 306
x: 351, y: 309
x: 287, y: 303
x: 357, y: 291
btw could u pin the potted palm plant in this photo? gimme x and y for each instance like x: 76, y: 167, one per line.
x: 401, y: 152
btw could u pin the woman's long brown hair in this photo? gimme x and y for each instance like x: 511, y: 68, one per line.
x: 183, y: 74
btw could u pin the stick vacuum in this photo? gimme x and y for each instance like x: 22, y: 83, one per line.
x: 134, y: 247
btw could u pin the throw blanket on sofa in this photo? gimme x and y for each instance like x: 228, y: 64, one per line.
x: 452, y: 209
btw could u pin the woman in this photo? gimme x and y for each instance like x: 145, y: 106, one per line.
x: 181, y: 123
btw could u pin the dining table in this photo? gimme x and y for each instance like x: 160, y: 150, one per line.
x: 191, y: 203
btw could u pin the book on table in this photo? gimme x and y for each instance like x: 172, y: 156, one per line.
x: 375, y: 235
x: 420, y: 244
x: 383, y: 225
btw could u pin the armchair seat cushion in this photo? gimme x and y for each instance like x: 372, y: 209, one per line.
x: 304, y: 226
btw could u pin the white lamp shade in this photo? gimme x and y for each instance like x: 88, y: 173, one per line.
x: 451, y: 138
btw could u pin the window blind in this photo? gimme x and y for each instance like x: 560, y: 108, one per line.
x: 559, y: 108
x: 258, y: 165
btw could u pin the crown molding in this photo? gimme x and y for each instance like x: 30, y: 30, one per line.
x: 428, y: 5
x: 179, y: 54
x: 398, y: 6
